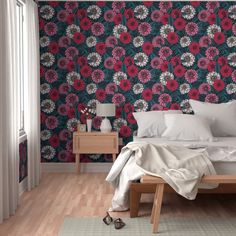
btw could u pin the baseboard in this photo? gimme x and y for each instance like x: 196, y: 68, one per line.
x: 23, y: 185
x: 71, y: 167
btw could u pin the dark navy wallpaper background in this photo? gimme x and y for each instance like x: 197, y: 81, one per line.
x: 23, y: 160
x: 139, y: 55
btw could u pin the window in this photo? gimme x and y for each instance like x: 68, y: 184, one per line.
x: 20, y: 62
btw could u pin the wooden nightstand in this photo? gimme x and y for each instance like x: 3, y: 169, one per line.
x: 94, y: 143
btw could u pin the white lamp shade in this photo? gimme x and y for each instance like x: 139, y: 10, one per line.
x: 106, y: 109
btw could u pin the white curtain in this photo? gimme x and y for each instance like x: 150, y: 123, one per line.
x: 32, y: 119
x: 9, y: 113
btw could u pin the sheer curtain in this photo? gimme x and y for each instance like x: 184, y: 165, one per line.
x: 9, y: 113
x: 32, y: 119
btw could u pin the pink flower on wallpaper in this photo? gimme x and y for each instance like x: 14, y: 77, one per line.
x: 157, y: 88
x: 165, y: 6
x: 191, y: 28
x: 144, y: 29
x: 63, y: 156
x: 109, y: 63
x: 64, y: 42
x: 64, y: 88
x: 234, y: 28
x: 111, y: 88
x: 211, y: 6
x: 71, y: 53
x: 205, y: 41
x: 158, y: 41
x: 234, y: 75
x: 156, y: 15
x: 132, y: 24
x: 118, y: 53
x: 144, y: 76
x: 156, y: 63
x: 212, y: 98
x: 212, y: 52
x: 51, y: 122
x: 70, y: 6
x: 111, y: 41
x: 157, y: 107
x: 50, y: 29
x: 203, y: 63
x: 69, y: 146
x: 125, y: 131
x: 51, y: 76
x: 165, y: 52
x: 117, y: 6
x: 164, y: 99
x: 109, y: 15
x: 97, y: 29
x: 62, y: 15
x: 98, y: 76
x: 100, y: 95
x: 191, y: 76
x: 118, y: 99
x: 72, y: 99
x: 203, y: 15
x: 62, y: 109
x: 62, y: 62
x: 64, y: 135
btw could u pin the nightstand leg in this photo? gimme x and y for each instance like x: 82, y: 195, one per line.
x: 78, y: 162
x: 113, y: 157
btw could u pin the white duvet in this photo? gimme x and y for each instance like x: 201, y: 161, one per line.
x: 125, y: 170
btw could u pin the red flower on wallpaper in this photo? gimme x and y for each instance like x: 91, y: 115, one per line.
x: 175, y: 60
x: 194, y: 48
x: 101, y: 48
x: 125, y: 84
x: 53, y: 47
x: 54, y: 141
x: 147, y: 48
x: 79, y: 84
x: 222, y: 61
x: 176, y: 13
x: 82, y: 61
x: 226, y: 24
x: 165, y: 18
x: 125, y: 131
x: 125, y: 37
x: 147, y: 94
x: 118, y: 65
x: 218, y: 85
x: 128, y: 61
x: 226, y: 71
x: 211, y: 66
x: 132, y: 71
x: 70, y: 66
x: 86, y: 71
x: 117, y: 18
x: 131, y: 119
x: 219, y: 37
x: 179, y: 71
x: 129, y: 107
x: 193, y: 94
x: 78, y: 38
x: 132, y: 24
x: 164, y: 66
x: 172, y: 38
x: 82, y: 13
x: 222, y: 13
x: 85, y: 23
x: 179, y: 23
x: 129, y: 13
x: 211, y: 19
x: 172, y: 85
x: 101, y: 95
x: 175, y: 106
x: 70, y: 19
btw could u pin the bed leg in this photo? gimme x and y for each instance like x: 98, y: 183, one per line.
x: 134, y: 202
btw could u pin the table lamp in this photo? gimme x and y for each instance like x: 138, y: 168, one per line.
x: 105, y: 110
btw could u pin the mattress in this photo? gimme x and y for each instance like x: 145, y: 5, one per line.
x: 222, y: 152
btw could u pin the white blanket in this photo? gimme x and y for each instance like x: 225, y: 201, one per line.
x: 180, y: 167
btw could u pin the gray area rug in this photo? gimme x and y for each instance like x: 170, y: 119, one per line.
x: 141, y: 227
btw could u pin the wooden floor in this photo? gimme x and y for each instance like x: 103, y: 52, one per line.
x: 42, y: 211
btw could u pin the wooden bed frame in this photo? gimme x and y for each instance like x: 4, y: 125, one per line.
x: 160, y: 184
x: 136, y: 190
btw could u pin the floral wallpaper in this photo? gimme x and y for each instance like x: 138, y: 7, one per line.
x: 23, y: 160
x: 138, y: 55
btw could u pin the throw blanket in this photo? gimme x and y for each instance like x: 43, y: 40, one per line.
x: 180, y: 167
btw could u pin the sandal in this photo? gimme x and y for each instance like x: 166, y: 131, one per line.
x: 119, y: 223
x: 107, y: 219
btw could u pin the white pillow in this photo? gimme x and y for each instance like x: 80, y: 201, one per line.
x: 151, y: 123
x: 223, y: 114
x: 187, y: 127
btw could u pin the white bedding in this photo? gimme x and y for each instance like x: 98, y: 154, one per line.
x: 222, y: 153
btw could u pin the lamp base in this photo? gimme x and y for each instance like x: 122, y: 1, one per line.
x: 105, y: 126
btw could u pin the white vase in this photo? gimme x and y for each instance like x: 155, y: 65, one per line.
x: 89, y: 125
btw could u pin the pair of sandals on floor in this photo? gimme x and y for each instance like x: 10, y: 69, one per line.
x: 119, y: 223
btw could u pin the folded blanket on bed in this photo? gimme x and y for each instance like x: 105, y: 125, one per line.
x: 180, y: 167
